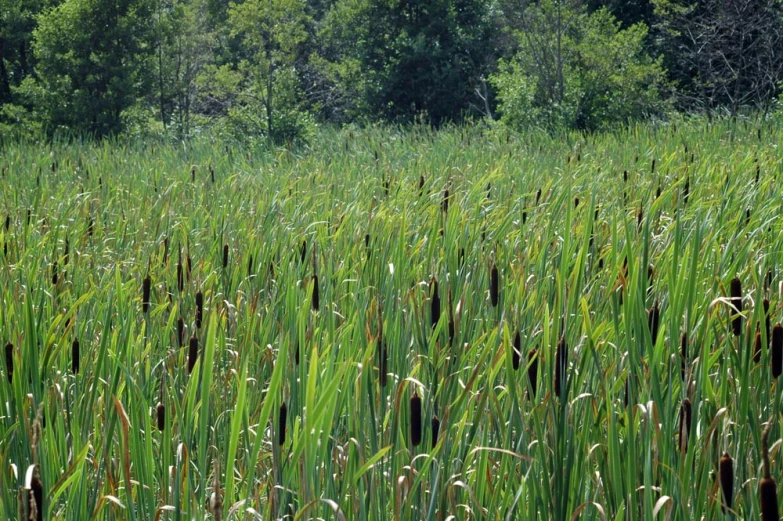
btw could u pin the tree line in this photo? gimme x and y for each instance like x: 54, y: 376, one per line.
x: 276, y: 69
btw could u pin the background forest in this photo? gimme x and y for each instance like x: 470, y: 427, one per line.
x: 277, y: 69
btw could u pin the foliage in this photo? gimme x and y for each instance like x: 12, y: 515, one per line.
x: 88, y: 222
x: 93, y: 63
x: 578, y: 70
x: 403, y: 59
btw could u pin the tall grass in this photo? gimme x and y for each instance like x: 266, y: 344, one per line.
x: 309, y: 283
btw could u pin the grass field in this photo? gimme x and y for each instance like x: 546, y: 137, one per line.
x: 352, y: 292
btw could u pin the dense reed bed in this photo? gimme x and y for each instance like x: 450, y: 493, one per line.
x: 459, y: 324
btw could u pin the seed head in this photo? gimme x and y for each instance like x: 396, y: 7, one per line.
x: 736, y: 302
x: 517, y: 351
x: 225, y: 256
x: 653, y: 320
x: 180, y: 331
x: 316, y: 299
x: 685, y: 424
x: 281, y: 423
x: 415, y: 412
x: 435, y: 430
x: 726, y: 473
x: 145, y: 294
x: 192, y: 353
x: 199, y: 309
x: 532, y: 370
x: 768, y: 490
x: 434, y: 303
x: 493, y: 285
x: 9, y: 361
x: 160, y: 416
x: 75, y: 356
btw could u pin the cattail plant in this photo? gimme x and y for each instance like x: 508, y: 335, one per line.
x: 415, y: 419
x: 180, y: 275
x: 188, y: 266
x: 493, y: 285
x: 75, y: 356
x: 225, y: 256
x: 421, y: 185
x: 434, y: 303
x: 445, y: 204
x: 653, y: 321
x: 776, y: 350
x: 757, y: 344
x: 67, y: 251
x: 199, y: 309
x: 316, y: 302
x: 180, y: 331
x: 685, y: 424
x: 54, y: 273
x: 9, y: 361
x: 192, y: 353
x: 435, y: 430
x: 768, y: 490
x: 683, y: 354
x: 538, y: 196
x: 726, y: 474
x: 281, y: 423
x: 160, y: 416
x: 145, y: 294
x: 517, y: 351
x: 561, y: 363
x: 303, y: 251
x: 193, y: 174
x: 736, y: 305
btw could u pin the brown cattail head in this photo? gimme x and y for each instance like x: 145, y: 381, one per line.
x: 54, y: 273
x: 493, y: 285
x: 726, y: 473
x: 538, y: 196
x: 653, y: 321
x: 281, y: 423
x: 421, y: 184
x: 561, y: 363
x: 303, y: 251
x: 250, y: 266
x: 757, y: 345
x: 683, y: 354
x: 435, y: 430
x: 736, y: 302
x: 686, y: 191
x: 7, y: 222
x: 625, y: 176
x: 145, y: 294
x: 517, y: 351
x: 36, y: 491
x: 180, y: 331
x: 192, y: 353
x: 652, y: 166
x: 383, y: 365
x: 225, y: 256
x: 180, y: 275
x: 685, y: 424
x: 9, y: 361
x: 532, y: 370
x: 316, y: 298
x: 199, y: 309
x: 445, y: 204
x: 75, y: 356
x: 776, y: 350
x: 192, y: 174
x: 576, y: 202
x: 415, y: 419
x: 67, y: 251
x: 188, y: 266
x: 768, y: 490
x: 434, y: 303
x: 160, y: 416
